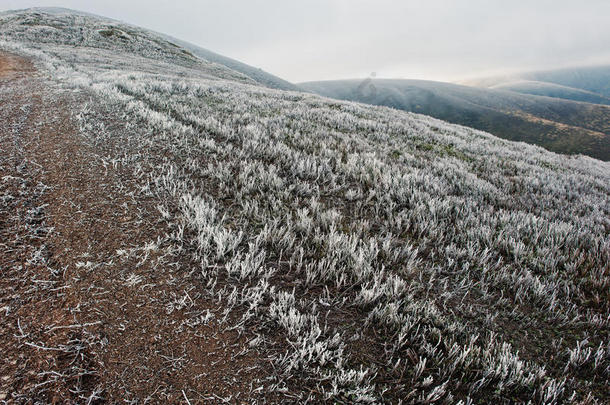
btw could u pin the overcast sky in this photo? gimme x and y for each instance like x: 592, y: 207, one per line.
x: 333, y: 39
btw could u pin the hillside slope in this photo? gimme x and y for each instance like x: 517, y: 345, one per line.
x: 363, y: 254
x: 559, y: 125
x: 258, y: 75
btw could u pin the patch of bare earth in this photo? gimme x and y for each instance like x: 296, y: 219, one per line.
x: 95, y: 305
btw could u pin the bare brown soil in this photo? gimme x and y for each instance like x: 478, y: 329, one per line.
x: 93, y: 309
x: 12, y: 66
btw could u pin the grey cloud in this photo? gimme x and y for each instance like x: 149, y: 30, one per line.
x: 434, y: 39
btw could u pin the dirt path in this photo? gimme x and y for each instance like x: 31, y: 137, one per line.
x: 96, y: 306
x: 12, y: 66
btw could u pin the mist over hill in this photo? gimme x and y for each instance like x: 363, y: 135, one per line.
x: 594, y: 79
x: 591, y: 84
x: 174, y: 230
x: 562, y: 126
x: 552, y: 90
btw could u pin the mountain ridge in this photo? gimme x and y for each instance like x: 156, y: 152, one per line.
x: 255, y: 74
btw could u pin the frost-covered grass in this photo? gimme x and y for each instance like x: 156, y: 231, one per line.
x: 398, y: 257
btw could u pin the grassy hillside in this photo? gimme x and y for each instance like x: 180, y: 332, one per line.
x: 558, y: 125
x: 370, y: 255
x: 258, y: 75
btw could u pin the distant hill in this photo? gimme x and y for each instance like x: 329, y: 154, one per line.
x: 256, y: 74
x: 594, y: 79
x: 552, y: 90
x: 559, y: 125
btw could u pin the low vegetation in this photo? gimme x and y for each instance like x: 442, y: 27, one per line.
x: 384, y: 256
